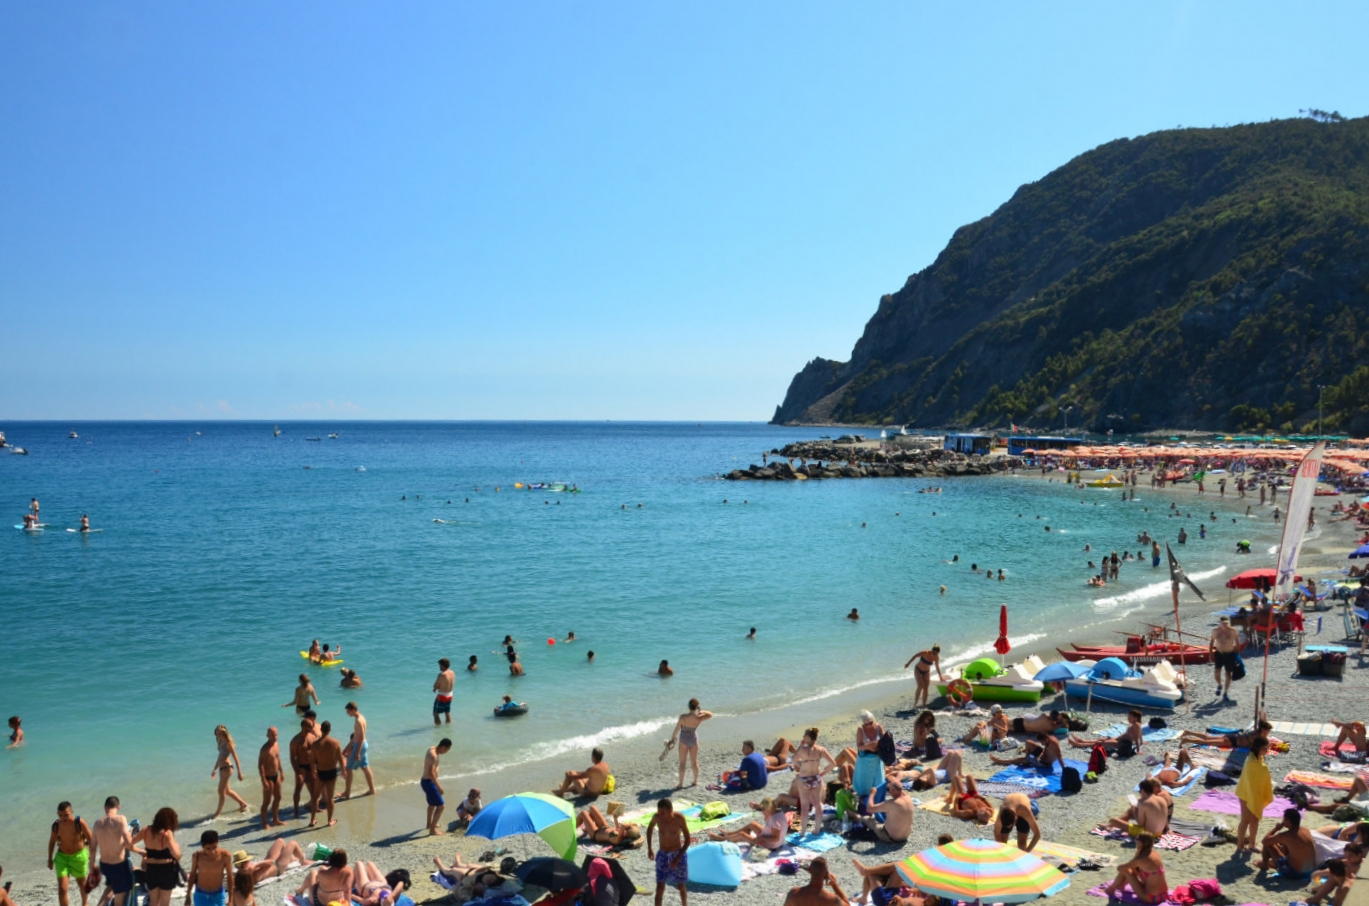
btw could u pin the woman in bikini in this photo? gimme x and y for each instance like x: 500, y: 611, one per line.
x: 923, y: 727
x: 970, y: 805
x: 687, y: 735
x: 808, y: 764
x: 279, y: 859
x: 330, y: 884
x: 375, y: 889
x: 926, y: 660
x: 162, y: 856
x: 768, y: 833
x: 224, y: 764
x: 1145, y: 873
x: 595, y: 826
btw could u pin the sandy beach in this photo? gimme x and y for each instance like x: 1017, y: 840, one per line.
x: 385, y: 828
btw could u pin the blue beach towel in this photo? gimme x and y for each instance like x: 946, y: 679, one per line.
x: 1149, y: 735
x: 1048, y: 781
x: 818, y: 843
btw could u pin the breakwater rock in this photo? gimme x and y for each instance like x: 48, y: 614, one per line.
x: 827, y: 459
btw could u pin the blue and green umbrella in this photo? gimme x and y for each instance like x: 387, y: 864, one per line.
x: 549, y: 817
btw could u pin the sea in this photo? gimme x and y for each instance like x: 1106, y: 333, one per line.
x: 223, y: 549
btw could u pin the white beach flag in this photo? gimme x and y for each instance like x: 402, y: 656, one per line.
x: 1295, y: 522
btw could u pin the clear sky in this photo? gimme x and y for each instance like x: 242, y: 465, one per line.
x: 548, y: 210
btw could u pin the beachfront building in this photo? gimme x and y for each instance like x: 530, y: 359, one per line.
x: 976, y: 444
x: 1018, y: 444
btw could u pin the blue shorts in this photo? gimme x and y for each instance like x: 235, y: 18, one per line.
x: 211, y: 897
x: 430, y: 790
x: 442, y: 707
x: 672, y: 868
x: 361, y: 756
x: 118, y: 875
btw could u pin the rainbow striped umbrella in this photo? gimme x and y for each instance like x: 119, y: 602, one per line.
x: 982, y: 871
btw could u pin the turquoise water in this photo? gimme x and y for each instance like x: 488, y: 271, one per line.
x: 222, y: 556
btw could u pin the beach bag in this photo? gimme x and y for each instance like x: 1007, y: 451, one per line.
x: 1070, y: 781
x: 933, y: 747
x: 1303, y: 796
x: 1098, y: 760
x: 714, y: 810
x: 1158, y: 723
x: 1125, y: 747
x: 885, y: 749
x: 1238, y: 669
x: 610, y: 783
x: 1217, y: 778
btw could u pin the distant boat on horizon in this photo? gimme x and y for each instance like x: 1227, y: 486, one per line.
x: 276, y: 431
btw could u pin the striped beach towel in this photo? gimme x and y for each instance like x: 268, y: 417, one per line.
x: 1298, y: 728
x: 1312, y: 778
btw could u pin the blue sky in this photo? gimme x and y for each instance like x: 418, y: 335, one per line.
x: 537, y: 210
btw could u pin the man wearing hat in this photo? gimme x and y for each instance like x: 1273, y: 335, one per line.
x: 1225, y: 646
x: 822, y: 888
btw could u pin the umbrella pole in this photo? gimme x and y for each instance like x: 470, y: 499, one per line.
x: 1183, y: 662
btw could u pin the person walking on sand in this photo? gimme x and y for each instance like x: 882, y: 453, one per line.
x: 301, y: 761
x: 1225, y: 646
x: 686, y: 733
x: 70, y: 838
x: 225, y: 763
x: 360, y: 757
x: 327, y: 757
x: 211, y: 869
x: 432, y: 787
x: 672, y: 862
x: 442, y: 689
x: 272, y: 780
x: 161, y: 856
x: 110, y: 844
x: 304, y: 693
x: 822, y: 888
x: 926, y: 660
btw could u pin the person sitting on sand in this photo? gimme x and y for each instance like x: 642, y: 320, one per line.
x: 768, y: 833
x: 924, y: 726
x: 751, y: 774
x: 996, y: 726
x: 897, y: 809
x: 1289, y: 848
x: 882, y: 885
x: 1016, y: 812
x: 468, y: 807
x: 1043, y: 752
x: 1335, y: 886
x: 374, y: 889
x: 1145, y: 873
x: 1241, y: 740
x: 1039, y: 723
x: 779, y: 754
x: 589, y: 782
x: 330, y: 884
x: 595, y: 826
x: 283, y: 855
x: 1148, y: 815
x: 1134, y: 735
x: 970, y: 805
x: 1353, y: 733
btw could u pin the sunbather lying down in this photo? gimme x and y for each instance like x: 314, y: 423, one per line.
x: 925, y: 776
x: 886, y: 877
x: 1241, y: 740
x: 592, y: 822
x: 471, y: 878
x: 778, y: 755
x: 1169, y: 774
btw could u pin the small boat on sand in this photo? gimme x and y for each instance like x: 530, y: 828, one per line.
x: 1139, y: 651
x: 1110, y: 680
x: 991, y: 683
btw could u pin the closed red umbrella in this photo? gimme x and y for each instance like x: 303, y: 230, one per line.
x: 1002, y: 646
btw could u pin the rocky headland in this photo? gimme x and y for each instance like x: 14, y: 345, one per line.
x: 813, y: 459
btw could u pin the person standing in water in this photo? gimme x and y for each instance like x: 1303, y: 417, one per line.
x: 304, y: 693
x: 361, y: 753
x: 926, y: 660
x: 442, y: 689
x: 268, y: 767
x: 16, y: 733
x: 687, y: 735
x: 225, y: 762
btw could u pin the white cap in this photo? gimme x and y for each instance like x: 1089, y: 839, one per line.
x: 995, y: 709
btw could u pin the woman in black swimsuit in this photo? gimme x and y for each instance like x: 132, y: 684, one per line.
x: 162, y: 860
x: 926, y: 660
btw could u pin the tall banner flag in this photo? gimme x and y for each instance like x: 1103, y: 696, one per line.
x: 1295, y: 522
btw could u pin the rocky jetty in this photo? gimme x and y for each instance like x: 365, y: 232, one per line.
x: 830, y: 459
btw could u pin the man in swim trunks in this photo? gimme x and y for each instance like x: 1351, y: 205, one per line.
x: 1042, y: 752
x: 211, y: 868
x: 70, y: 837
x: 672, y: 862
x: 326, y: 753
x: 304, y: 692
x: 109, y: 848
x: 360, y: 757
x: 432, y: 787
x: 1289, y: 848
x: 442, y: 688
x: 1039, y: 723
x: 1225, y: 646
x: 898, y: 815
x: 302, y: 760
x: 589, y: 782
x: 272, y: 779
x: 1016, y: 811
x: 1148, y: 815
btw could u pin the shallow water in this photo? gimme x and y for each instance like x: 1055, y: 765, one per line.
x: 222, y: 556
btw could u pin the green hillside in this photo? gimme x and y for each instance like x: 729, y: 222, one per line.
x: 1202, y: 278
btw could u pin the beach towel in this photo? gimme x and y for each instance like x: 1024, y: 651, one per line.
x: 1174, y: 842
x: 1126, y: 895
x: 942, y: 806
x: 818, y: 843
x: 757, y: 862
x: 1071, y: 853
x: 1341, y: 767
x: 1228, y: 761
x: 1048, y: 781
x: 1297, y: 728
x: 1312, y: 778
x: 1148, y: 734
x: 1186, y: 780
x: 1328, y: 748
x: 1222, y: 802
x: 999, y: 790
x: 697, y: 824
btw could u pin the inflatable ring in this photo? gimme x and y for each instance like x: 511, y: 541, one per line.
x: 959, y: 691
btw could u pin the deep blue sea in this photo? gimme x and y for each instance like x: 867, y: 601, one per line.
x: 224, y: 550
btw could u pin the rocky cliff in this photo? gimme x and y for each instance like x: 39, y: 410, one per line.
x: 1205, y: 278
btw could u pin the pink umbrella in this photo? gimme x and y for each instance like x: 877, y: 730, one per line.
x: 1002, y: 646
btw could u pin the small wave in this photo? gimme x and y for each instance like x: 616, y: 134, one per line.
x: 1146, y: 592
x: 546, y: 750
